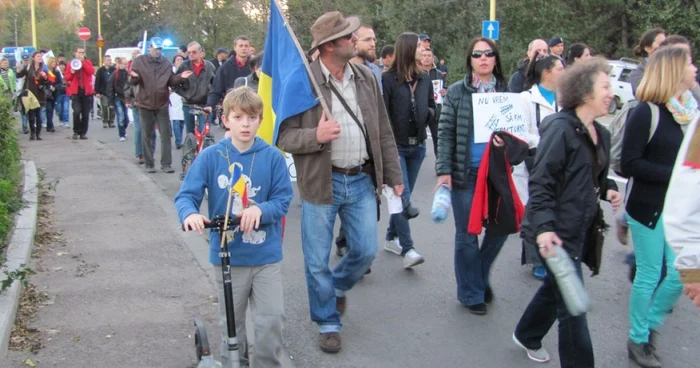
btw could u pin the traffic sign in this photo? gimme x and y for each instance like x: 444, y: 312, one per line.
x: 490, y: 29
x: 84, y: 33
x: 100, y: 41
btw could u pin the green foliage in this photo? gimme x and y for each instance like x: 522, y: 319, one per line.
x: 10, y: 201
x: 20, y: 274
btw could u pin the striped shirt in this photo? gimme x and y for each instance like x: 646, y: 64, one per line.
x: 350, y: 149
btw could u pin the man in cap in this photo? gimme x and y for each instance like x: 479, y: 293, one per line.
x: 219, y: 58
x: 426, y: 43
x: 556, y: 48
x: 342, y: 157
x: 153, y: 74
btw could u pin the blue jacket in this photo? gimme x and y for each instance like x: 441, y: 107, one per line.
x: 268, y: 187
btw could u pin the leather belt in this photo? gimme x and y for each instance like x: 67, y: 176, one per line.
x: 353, y: 170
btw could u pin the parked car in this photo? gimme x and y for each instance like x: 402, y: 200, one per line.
x: 620, y: 81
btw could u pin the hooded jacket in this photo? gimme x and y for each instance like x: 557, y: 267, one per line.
x: 496, y: 204
x: 267, y: 186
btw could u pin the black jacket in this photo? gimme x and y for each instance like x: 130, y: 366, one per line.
x: 397, y: 99
x: 516, y: 83
x: 195, y: 89
x: 563, y: 196
x: 116, y: 85
x: 226, y: 75
x: 649, y: 164
x: 101, y: 77
x: 216, y: 63
x: 455, y: 131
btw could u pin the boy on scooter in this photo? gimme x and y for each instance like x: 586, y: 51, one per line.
x: 256, y: 246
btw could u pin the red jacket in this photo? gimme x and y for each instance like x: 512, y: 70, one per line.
x: 496, y: 204
x: 82, y: 76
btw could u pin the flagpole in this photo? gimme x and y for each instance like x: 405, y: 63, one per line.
x: 33, y: 13
x: 314, y: 83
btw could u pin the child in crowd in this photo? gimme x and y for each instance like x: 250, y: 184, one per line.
x: 256, y: 246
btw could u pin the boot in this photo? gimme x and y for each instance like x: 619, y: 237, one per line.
x: 38, y: 135
x: 32, y: 136
x: 642, y: 354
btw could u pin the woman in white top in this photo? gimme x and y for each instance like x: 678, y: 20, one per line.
x: 539, y: 101
x: 177, y: 116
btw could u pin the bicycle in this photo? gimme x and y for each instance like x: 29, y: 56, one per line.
x: 195, y: 142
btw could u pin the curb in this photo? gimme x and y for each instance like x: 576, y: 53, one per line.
x: 19, y: 252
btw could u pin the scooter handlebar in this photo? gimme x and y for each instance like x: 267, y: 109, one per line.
x: 218, y: 222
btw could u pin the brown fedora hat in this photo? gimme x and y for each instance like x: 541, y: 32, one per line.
x: 332, y: 26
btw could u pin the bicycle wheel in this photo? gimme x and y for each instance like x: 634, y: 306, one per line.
x: 189, y: 152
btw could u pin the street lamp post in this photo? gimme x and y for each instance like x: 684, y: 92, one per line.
x: 99, y: 30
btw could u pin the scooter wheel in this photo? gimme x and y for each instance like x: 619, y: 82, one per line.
x: 198, y: 345
x: 201, y: 342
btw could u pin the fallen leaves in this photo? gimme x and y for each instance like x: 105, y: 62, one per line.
x: 25, y: 337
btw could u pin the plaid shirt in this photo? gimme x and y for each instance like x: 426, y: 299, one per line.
x: 350, y: 149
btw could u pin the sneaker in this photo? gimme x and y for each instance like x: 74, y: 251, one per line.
x: 168, y: 169
x: 329, y: 342
x: 151, y: 169
x: 122, y: 139
x: 412, y: 258
x: 539, y: 272
x: 83, y: 137
x: 140, y: 160
x: 478, y: 309
x: 642, y: 354
x: 393, y: 246
x: 540, y: 355
x: 104, y: 125
x: 622, y: 232
x: 75, y: 136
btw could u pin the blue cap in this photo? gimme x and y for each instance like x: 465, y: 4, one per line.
x: 424, y: 37
x: 156, y: 43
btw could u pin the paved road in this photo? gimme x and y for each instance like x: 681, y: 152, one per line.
x: 397, y: 318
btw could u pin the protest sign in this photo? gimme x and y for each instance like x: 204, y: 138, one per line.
x: 291, y: 169
x: 498, y: 112
x: 437, y: 87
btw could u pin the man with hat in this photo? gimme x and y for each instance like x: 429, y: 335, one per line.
x: 342, y: 156
x: 425, y: 42
x: 556, y: 48
x: 153, y: 74
x: 219, y: 58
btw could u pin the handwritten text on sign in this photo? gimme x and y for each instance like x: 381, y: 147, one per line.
x: 498, y: 112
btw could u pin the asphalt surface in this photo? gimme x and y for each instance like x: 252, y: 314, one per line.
x: 110, y: 213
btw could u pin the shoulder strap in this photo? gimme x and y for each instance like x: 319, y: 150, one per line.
x: 537, y: 114
x: 654, y: 120
x: 354, y: 118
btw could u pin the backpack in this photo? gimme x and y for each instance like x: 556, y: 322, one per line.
x: 617, y: 131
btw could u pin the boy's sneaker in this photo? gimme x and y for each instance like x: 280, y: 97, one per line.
x: 540, y: 355
x: 122, y: 139
x: 642, y: 354
x: 393, y: 246
x: 412, y: 258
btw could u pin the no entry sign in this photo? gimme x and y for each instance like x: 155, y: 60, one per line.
x: 84, y: 33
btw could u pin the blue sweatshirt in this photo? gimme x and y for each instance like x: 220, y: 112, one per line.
x: 268, y: 186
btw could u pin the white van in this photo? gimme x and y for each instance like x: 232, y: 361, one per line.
x: 123, y: 52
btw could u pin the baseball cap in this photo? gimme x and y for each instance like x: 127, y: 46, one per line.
x: 555, y: 41
x: 221, y: 50
x: 424, y: 37
x: 157, y: 43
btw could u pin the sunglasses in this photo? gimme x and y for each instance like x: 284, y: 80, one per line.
x: 477, y: 53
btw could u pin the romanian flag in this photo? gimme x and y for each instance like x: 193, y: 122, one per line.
x: 284, y: 85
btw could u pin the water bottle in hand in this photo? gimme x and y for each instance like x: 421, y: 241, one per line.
x: 570, y: 285
x: 442, y: 202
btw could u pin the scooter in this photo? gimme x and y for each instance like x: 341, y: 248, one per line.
x: 201, y: 341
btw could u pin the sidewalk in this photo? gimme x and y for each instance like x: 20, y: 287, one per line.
x: 128, y: 284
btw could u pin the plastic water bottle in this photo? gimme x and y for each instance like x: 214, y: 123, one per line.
x: 209, y: 362
x: 442, y: 202
x: 570, y: 285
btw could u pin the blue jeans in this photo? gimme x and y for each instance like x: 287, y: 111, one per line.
x: 42, y: 115
x: 63, y: 108
x: 547, y: 306
x: 650, y: 302
x: 50, y: 106
x: 411, y: 158
x: 189, y: 120
x: 354, y: 201
x: 137, y: 134
x: 122, y: 121
x: 178, y: 125
x: 472, y: 264
x: 25, y: 122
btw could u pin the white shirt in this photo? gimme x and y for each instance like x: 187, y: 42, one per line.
x: 350, y: 149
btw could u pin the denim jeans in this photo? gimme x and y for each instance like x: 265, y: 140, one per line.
x: 138, y: 149
x: 63, y: 108
x: 547, y: 306
x: 189, y: 120
x: 122, y: 121
x: 650, y: 301
x: 50, y: 105
x: 354, y: 201
x: 472, y: 264
x: 42, y: 115
x: 411, y: 159
x: 25, y: 121
x: 178, y: 126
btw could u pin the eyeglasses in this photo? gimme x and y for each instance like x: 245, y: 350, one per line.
x: 477, y: 53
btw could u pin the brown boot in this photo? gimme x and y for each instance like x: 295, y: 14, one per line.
x: 329, y: 342
x: 340, y: 303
